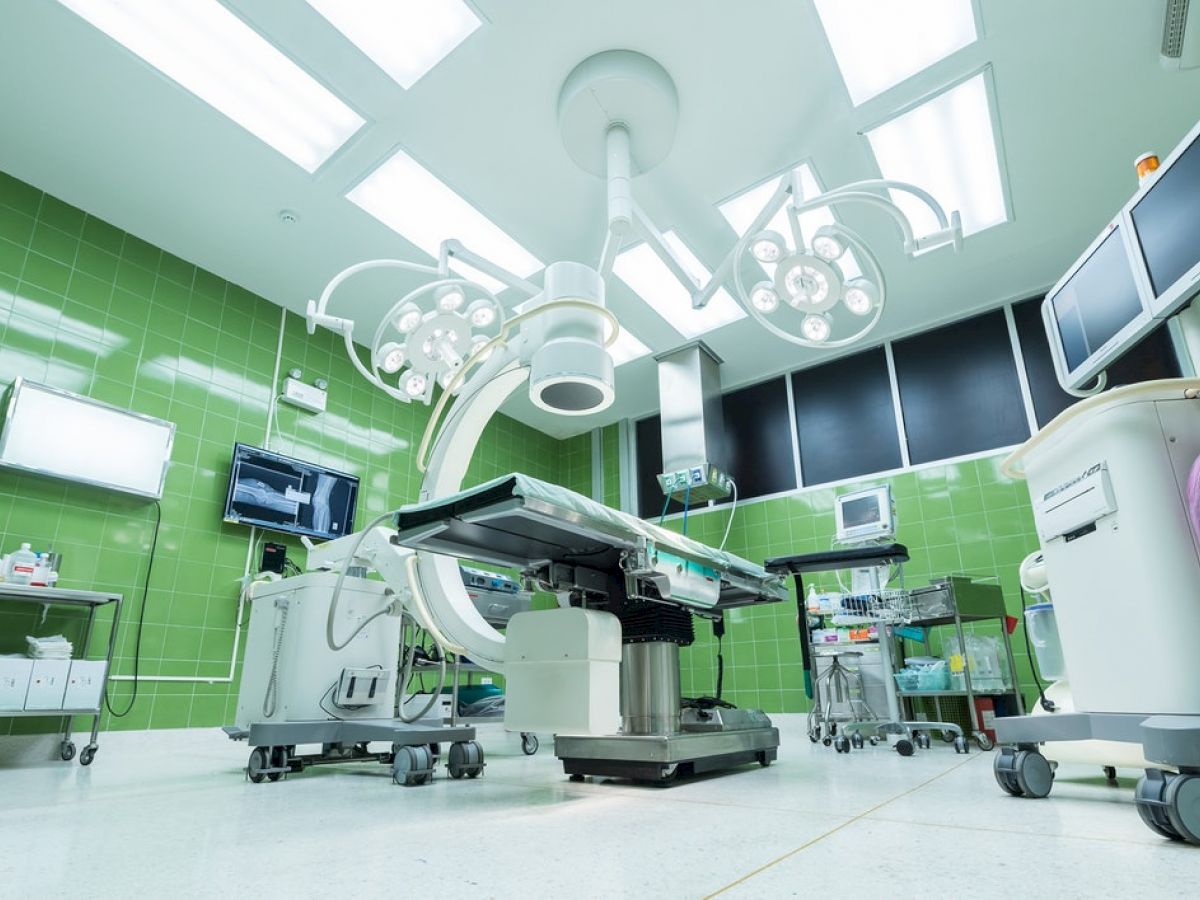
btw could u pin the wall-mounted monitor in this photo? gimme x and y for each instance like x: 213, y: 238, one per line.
x: 53, y: 432
x: 1096, y: 311
x: 1165, y: 213
x: 865, y: 515
x: 291, y: 495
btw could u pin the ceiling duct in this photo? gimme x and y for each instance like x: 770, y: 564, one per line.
x: 693, y: 426
x: 1180, y: 43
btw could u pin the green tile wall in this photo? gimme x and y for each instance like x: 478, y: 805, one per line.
x: 610, y: 463
x: 87, y: 307
x: 959, y: 518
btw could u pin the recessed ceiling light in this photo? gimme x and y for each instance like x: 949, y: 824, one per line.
x: 880, y: 43
x: 405, y: 38
x: 415, y: 203
x: 947, y: 146
x: 208, y: 50
x: 627, y: 348
x: 740, y: 211
x: 649, y: 278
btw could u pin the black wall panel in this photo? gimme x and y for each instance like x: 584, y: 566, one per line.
x: 758, y: 439
x: 845, y: 418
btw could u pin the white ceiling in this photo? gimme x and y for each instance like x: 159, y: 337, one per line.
x: 1079, y: 88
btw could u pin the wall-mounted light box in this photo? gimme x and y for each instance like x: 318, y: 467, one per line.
x: 55, y: 433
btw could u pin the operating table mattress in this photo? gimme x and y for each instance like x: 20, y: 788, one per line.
x: 523, y: 522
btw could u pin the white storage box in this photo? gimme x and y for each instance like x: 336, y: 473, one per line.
x: 85, y: 684
x: 47, y: 683
x: 562, y: 671
x: 14, y: 681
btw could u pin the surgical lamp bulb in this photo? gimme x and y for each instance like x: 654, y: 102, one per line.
x: 827, y: 244
x: 764, y: 298
x: 806, y: 284
x: 816, y: 328
x: 390, y: 357
x: 481, y: 313
x: 768, y: 247
x: 450, y: 298
x: 860, y: 296
x: 414, y: 384
x: 408, y: 318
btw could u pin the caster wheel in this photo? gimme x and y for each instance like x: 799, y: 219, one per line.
x: 874, y: 742
x: 66, y: 750
x: 1149, y: 796
x: 412, y: 766
x: 465, y: 758
x: 576, y: 779
x: 1004, y: 769
x: 983, y: 741
x: 827, y: 740
x: 279, y: 759
x: 529, y: 744
x: 87, y: 755
x: 905, y: 747
x: 1032, y: 773
x: 948, y: 737
x: 923, y: 740
x: 764, y: 759
x: 258, y: 761
x: 1183, y: 806
x: 841, y: 744
x: 856, y: 741
x: 833, y: 728
x: 960, y: 744
x: 435, y: 751
x: 814, y: 737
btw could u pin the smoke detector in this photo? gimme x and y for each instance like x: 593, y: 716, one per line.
x: 289, y: 216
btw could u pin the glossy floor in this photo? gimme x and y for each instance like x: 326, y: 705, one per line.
x: 169, y: 813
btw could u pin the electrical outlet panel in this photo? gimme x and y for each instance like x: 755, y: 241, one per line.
x: 304, y: 396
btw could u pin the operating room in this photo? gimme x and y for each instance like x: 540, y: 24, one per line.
x: 675, y: 449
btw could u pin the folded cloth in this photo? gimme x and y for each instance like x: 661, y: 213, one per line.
x: 51, y: 647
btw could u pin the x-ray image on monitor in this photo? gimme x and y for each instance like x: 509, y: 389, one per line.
x: 286, y: 494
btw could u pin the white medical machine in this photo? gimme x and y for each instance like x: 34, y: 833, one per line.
x: 1114, y: 483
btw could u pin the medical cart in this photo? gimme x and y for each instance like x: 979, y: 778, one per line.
x: 97, y: 671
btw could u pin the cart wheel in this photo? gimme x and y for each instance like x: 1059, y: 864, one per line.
x: 1004, y: 768
x: 764, y: 759
x: 923, y: 740
x: 254, y: 767
x: 87, y: 755
x: 1183, y: 806
x: 67, y: 750
x: 904, y: 747
x: 960, y: 744
x: 412, y: 766
x: 856, y: 741
x: 1151, y: 806
x: 435, y: 750
x: 1033, y: 773
x: 827, y: 740
x: 984, y: 742
x: 279, y: 759
x: 814, y: 736
x: 841, y: 744
x: 465, y: 758
x: 529, y: 744
x: 874, y: 741
x: 948, y: 737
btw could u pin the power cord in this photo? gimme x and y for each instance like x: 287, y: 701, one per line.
x: 732, y: 513
x: 1046, y: 704
x: 137, y: 645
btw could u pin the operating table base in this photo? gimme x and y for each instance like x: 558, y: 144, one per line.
x: 662, y: 758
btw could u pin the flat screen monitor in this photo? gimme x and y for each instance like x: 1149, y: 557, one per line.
x: 865, y: 515
x: 1166, y: 221
x: 290, y: 495
x: 1095, y: 313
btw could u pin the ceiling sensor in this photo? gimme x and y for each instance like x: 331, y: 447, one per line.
x: 289, y: 216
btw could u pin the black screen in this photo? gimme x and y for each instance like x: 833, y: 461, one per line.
x: 1097, y: 301
x: 863, y: 511
x: 1167, y: 221
x: 286, y: 494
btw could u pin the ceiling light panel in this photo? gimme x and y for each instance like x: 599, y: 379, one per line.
x: 649, y: 278
x: 880, y: 43
x: 405, y: 38
x: 415, y: 203
x: 208, y: 50
x: 947, y: 145
x: 740, y: 212
x: 627, y: 348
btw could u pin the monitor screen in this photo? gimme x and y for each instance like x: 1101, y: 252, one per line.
x: 1096, y: 302
x: 861, y: 511
x: 291, y: 495
x: 1167, y: 221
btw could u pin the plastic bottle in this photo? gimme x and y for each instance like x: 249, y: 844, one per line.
x: 814, y: 602
x: 41, y: 571
x: 20, y: 567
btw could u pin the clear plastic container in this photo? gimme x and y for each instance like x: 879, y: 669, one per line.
x: 20, y: 566
x: 1043, y: 634
x: 906, y: 679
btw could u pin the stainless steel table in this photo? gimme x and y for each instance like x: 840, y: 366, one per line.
x: 91, y: 601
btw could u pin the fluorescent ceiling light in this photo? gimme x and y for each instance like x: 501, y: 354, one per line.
x: 740, y: 212
x: 649, y: 278
x: 948, y: 147
x: 880, y: 43
x: 405, y: 38
x: 627, y: 348
x: 413, y: 202
x: 208, y: 50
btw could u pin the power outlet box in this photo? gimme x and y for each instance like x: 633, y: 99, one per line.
x: 304, y: 396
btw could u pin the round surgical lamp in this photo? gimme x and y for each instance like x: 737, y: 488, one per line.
x: 764, y: 298
x: 808, y: 283
x: 390, y: 357
x: 450, y: 298
x: 408, y: 317
x: 816, y: 327
x: 860, y: 296
x: 827, y: 244
x: 768, y: 247
x: 570, y: 372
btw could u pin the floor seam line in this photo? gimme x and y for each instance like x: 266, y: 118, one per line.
x: 857, y: 818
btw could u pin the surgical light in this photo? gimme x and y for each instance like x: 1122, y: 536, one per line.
x: 764, y: 298
x: 860, y: 296
x: 481, y: 313
x: 768, y: 247
x: 450, y: 298
x: 414, y: 383
x: 827, y: 245
x: 390, y: 357
x: 408, y: 318
x: 809, y: 283
x: 816, y: 328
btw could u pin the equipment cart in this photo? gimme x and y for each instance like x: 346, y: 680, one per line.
x: 458, y: 668
x: 90, y: 601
